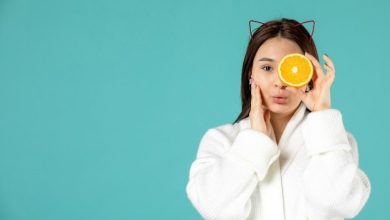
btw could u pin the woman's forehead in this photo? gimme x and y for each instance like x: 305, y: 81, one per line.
x: 276, y: 48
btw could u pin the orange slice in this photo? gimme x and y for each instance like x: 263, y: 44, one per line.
x: 295, y: 70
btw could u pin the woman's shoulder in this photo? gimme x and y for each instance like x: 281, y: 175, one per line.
x: 218, y: 139
x: 230, y: 129
x: 225, y: 133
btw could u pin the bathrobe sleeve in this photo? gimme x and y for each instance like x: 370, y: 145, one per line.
x: 334, y: 185
x: 225, y: 172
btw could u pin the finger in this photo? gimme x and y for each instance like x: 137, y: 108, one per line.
x: 317, y: 66
x: 252, y: 95
x: 302, y: 95
x: 329, y: 73
x: 329, y: 66
x: 259, y: 96
x: 262, y: 103
x: 328, y: 61
x: 255, y: 96
x: 253, y: 99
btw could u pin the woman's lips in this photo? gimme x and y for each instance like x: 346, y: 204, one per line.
x: 279, y: 100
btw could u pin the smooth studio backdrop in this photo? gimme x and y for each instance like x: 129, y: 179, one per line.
x: 103, y: 103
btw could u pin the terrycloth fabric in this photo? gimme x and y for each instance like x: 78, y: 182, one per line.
x: 312, y: 174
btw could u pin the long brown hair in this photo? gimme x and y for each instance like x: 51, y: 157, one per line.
x: 284, y: 27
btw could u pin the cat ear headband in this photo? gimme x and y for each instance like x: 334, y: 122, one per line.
x: 266, y: 24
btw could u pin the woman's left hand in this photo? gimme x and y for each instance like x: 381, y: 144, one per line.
x: 318, y: 98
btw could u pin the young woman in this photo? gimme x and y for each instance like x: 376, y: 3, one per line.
x: 288, y: 155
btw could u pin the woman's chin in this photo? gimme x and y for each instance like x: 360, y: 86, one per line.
x: 287, y: 108
x: 278, y: 108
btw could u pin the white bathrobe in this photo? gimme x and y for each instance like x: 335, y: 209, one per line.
x: 312, y: 174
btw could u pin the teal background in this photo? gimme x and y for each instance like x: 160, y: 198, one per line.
x: 103, y: 103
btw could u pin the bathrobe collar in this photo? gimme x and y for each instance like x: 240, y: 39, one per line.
x: 271, y: 189
x: 291, y: 141
x: 294, y: 121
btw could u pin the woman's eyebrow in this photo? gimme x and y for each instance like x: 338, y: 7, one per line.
x: 266, y: 59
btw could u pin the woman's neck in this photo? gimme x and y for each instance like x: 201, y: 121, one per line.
x: 279, y: 122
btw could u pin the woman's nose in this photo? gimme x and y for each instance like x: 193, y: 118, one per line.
x: 278, y: 82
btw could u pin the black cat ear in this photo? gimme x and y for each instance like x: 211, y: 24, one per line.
x: 309, y: 25
x: 257, y: 24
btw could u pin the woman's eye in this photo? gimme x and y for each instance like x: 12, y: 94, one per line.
x: 267, y: 68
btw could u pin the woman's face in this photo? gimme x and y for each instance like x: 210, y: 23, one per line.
x: 265, y: 75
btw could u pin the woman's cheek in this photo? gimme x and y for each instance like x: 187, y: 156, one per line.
x: 264, y: 78
x: 295, y: 93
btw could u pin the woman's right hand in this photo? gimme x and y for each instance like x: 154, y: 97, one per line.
x: 259, y: 115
